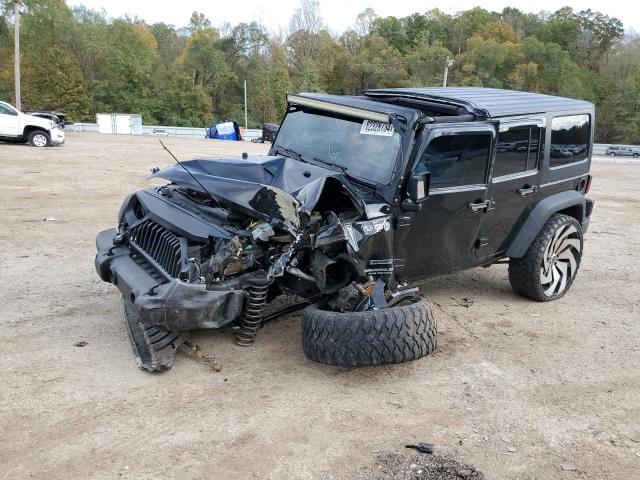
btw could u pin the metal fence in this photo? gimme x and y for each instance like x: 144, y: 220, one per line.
x: 184, y: 132
x: 251, y: 134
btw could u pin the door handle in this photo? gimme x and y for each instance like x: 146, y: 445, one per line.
x: 486, y: 205
x: 476, y: 207
x: 528, y: 190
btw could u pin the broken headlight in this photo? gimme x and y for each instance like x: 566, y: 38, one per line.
x: 375, y: 226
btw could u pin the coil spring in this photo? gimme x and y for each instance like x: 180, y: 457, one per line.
x: 252, y: 316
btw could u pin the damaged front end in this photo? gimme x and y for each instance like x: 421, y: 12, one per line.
x: 225, y: 237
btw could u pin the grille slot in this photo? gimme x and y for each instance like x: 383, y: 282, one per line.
x: 162, y: 248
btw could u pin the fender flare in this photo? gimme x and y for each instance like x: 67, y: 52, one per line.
x: 28, y: 129
x: 539, y: 216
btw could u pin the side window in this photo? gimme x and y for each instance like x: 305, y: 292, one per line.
x: 459, y: 159
x: 4, y: 110
x: 570, y: 137
x: 517, y: 150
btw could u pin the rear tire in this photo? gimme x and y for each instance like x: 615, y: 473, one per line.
x: 551, y: 263
x: 377, y: 337
x: 39, y: 139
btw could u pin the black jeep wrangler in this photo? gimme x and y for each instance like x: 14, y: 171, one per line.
x: 359, y: 198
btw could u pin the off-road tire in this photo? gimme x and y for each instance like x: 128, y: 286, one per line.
x: 38, y: 138
x: 390, y: 335
x: 525, y: 273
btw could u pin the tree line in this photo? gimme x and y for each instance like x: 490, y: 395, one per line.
x: 81, y: 62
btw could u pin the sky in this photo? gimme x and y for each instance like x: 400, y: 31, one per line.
x: 338, y: 14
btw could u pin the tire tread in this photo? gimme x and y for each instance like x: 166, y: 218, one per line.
x: 386, y: 336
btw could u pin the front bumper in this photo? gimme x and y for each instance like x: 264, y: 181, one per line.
x: 57, y: 136
x: 173, y: 305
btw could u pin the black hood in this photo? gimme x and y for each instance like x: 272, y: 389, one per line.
x: 269, y: 187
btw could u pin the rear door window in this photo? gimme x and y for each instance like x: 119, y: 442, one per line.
x: 457, y: 159
x: 570, y: 136
x: 517, y: 150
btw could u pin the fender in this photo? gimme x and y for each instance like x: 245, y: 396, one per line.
x: 539, y: 216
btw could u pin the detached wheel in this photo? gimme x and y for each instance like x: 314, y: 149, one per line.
x: 378, y: 337
x: 39, y: 139
x: 549, y: 267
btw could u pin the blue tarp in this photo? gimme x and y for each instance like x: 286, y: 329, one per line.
x: 224, y: 131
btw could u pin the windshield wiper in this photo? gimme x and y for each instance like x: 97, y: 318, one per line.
x: 344, y: 169
x: 334, y: 165
x: 289, y: 153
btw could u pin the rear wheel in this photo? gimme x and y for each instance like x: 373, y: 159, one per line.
x: 551, y: 263
x: 39, y: 139
x: 377, y: 337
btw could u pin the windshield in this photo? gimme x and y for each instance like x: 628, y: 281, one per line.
x: 363, y: 149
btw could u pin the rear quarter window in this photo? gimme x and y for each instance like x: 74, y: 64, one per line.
x: 570, y: 136
x: 517, y: 150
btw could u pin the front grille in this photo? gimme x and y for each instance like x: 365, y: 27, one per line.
x: 161, y: 247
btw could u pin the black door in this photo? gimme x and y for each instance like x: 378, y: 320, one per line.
x: 441, y: 238
x: 513, y: 187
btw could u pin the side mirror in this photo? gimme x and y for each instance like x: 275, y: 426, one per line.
x: 418, y: 188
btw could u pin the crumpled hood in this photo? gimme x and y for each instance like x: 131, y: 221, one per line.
x: 272, y: 188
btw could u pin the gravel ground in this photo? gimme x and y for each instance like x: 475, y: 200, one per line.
x: 516, y: 390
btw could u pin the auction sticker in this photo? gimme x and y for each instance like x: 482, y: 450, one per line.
x: 370, y: 127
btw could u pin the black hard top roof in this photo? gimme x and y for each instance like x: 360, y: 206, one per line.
x: 372, y: 105
x: 487, y: 102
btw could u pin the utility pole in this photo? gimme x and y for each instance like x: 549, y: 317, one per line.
x: 245, y: 105
x: 447, y: 64
x: 16, y: 4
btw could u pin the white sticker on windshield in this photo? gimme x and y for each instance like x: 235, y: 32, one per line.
x: 370, y: 127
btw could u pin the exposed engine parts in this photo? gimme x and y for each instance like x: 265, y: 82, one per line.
x: 216, y: 260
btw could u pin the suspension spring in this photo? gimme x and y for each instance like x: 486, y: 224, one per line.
x: 252, y: 315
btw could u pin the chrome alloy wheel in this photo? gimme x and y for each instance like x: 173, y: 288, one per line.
x: 560, y: 260
x: 40, y: 141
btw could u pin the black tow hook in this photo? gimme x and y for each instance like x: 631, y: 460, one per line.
x: 152, y: 291
x: 118, y: 239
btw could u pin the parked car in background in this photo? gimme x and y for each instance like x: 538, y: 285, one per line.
x: 47, y: 116
x: 21, y: 127
x: 269, y: 132
x: 59, y: 118
x: 160, y: 132
x: 623, y: 151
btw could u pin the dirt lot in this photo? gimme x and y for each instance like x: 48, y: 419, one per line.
x: 517, y: 389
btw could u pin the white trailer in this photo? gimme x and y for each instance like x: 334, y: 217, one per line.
x: 120, y: 123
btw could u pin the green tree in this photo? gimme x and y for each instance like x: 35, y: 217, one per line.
x: 391, y: 30
x: 82, y: 62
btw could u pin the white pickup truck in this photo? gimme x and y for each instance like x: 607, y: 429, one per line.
x: 18, y: 126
